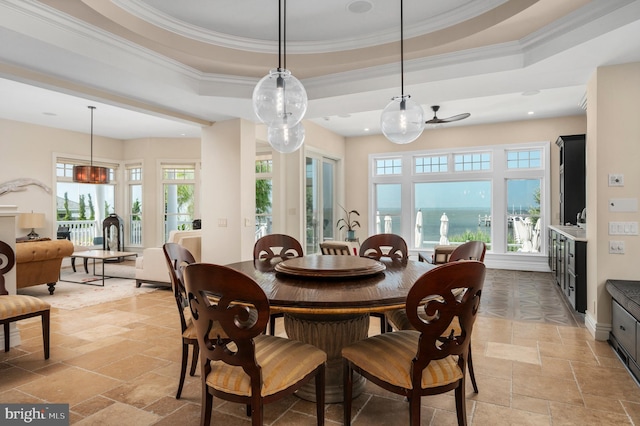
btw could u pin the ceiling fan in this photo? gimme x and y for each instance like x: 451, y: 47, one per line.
x: 436, y: 120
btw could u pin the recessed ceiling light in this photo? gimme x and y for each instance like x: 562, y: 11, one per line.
x: 366, y: 129
x: 531, y: 113
x: 531, y: 93
x: 359, y: 6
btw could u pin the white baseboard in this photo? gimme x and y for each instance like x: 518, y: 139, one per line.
x: 598, y: 331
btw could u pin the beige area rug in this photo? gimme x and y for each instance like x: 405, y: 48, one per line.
x: 71, y: 296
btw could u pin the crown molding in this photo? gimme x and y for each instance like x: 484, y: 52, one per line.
x: 586, y: 23
x: 460, y: 14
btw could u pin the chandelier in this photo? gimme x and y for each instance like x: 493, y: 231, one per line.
x: 91, y: 173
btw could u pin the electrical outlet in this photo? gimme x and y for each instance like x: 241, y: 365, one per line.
x: 616, y: 247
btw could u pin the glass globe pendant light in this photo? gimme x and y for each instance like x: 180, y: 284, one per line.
x: 280, y: 99
x: 286, y: 140
x: 402, y: 120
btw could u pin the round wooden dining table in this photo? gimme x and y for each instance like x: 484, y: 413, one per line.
x: 326, y: 301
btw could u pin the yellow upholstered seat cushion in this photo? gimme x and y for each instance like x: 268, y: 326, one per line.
x: 283, y: 363
x: 388, y: 356
x: 17, y: 304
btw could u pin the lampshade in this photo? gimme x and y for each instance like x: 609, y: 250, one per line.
x: 402, y: 120
x: 91, y: 173
x: 286, y: 140
x: 31, y: 221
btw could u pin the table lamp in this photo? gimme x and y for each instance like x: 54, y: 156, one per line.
x: 31, y: 220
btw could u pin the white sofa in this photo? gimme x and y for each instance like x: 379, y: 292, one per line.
x: 152, y: 267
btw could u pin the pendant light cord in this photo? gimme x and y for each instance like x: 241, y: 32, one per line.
x: 282, y: 35
x: 401, y: 51
x: 279, y: 35
x: 91, y: 159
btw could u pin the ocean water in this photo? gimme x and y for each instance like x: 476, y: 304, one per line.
x: 460, y: 221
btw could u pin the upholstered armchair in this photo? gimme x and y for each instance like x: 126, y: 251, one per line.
x: 151, y: 267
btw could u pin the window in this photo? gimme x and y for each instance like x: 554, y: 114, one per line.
x: 134, y: 183
x: 529, y: 159
x: 472, y: 162
x: 179, y: 199
x: 455, y: 195
x: 264, y: 196
x: 388, y: 208
x: 434, y: 164
x: 523, y: 215
x: 389, y: 166
x: 81, y: 207
x: 452, y: 212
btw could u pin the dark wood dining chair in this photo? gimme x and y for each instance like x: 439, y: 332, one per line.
x: 243, y: 365
x: 385, y: 245
x: 431, y: 358
x: 338, y: 248
x: 16, y: 307
x: 378, y: 246
x: 271, y: 249
x: 398, y: 319
x: 177, y: 258
x: 471, y: 250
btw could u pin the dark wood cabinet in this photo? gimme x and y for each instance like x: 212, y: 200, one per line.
x: 572, y: 177
x: 568, y: 261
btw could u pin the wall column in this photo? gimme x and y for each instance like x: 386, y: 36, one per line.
x: 613, y: 132
x: 228, y: 191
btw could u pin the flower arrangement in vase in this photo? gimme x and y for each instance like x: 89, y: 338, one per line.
x: 349, y: 223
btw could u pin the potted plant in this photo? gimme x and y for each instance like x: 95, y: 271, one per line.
x: 349, y: 223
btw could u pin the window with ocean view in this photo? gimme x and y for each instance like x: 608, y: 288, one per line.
x: 495, y: 194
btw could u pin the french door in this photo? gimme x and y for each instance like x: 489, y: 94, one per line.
x: 320, y: 194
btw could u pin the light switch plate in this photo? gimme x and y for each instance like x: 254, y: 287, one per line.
x: 616, y: 180
x: 623, y: 204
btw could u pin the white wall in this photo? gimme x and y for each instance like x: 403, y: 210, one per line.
x: 27, y: 151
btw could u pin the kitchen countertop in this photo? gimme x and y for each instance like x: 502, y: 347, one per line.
x: 574, y: 232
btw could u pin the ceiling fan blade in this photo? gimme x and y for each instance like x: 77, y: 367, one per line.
x: 436, y: 120
x: 456, y: 117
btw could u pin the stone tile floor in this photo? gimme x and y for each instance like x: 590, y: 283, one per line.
x: 118, y: 364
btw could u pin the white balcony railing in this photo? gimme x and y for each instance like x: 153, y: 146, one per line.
x: 81, y: 232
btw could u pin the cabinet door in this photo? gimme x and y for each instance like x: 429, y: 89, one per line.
x: 552, y: 250
x: 561, y: 262
x: 623, y: 328
x: 571, y: 255
x: 570, y: 289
